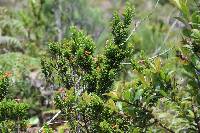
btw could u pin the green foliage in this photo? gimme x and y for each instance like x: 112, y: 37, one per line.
x: 54, y: 18
x: 47, y: 129
x: 13, y: 115
x: 9, y: 43
x: 20, y: 67
x: 9, y: 28
x: 3, y: 85
x: 72, y: 65
x: 89, y: 113
x: 121, y: 89
x: 189, y: 53
x: 12, y: 110
x: 162, y: 96
x: 73, y: 59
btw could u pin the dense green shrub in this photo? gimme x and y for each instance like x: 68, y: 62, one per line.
x: 13, y: 115
x: 74, y: 59
x: 190, y: 55
x: 72, y: 65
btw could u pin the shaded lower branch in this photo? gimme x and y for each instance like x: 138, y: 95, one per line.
x: 151, y: 115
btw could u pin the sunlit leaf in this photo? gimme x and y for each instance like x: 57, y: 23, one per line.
x: 34, y: 120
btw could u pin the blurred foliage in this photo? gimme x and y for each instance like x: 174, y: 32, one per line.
x: 53, y: 19
x: 9, y: 28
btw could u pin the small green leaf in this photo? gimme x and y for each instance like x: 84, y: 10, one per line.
x: 138, y: 94
x: 127, y: 95
x: 119, y: 105
x: 34, y: 120
x: 112, y: 94
x: 196, y: 33
x: 191, y: 114
x: 163, y: 93
x: 111, y: 104
x: 158, y: 64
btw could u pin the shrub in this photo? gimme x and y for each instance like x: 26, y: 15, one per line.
x: 85, y: 77
x: 13, y: 115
